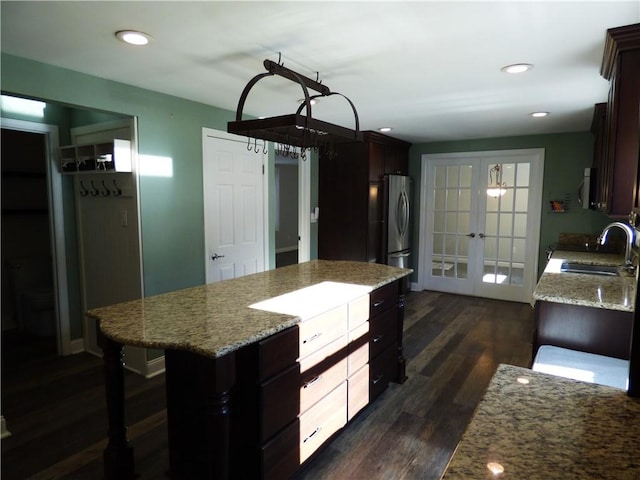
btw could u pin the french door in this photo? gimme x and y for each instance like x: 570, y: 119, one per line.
x: 480, y: 223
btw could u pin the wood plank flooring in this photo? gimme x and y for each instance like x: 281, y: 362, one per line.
x: 55, y: 409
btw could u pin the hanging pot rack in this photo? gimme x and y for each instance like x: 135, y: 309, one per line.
x: 295, y: 130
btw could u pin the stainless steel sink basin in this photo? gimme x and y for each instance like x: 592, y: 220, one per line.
x: 573, y: 267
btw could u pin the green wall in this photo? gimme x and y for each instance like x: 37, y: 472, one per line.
x: 171, y: 208
x: 566, y: 156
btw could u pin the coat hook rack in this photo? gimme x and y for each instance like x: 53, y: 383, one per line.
x: 94, y: 190
x: 83, y: 190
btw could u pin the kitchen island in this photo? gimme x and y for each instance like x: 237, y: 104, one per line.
x: 531, y: 425
x: 232, y: 335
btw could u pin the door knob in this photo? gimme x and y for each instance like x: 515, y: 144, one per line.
x: 471, y: 234
x: 215, y: 256
x: 481, y: 235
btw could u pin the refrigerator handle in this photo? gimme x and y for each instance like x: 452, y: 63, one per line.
x: 405, y: 218
x: 399, y: 211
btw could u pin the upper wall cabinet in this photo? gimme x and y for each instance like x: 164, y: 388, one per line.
x: 601, y: 184
x: 621, y: 66
x: 109, y: 157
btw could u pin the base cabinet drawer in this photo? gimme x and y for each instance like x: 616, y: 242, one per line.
x: 321, y: 330
x: 282, y: 456
x: 381, y: 371
x: 358, y: 391
x: 292, y: 393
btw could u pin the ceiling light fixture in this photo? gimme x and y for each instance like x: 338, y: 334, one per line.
x: 539, y: 114
x: 517, y: 68
x: 133, y: 37
x: 497, y: 189
x: 385, y: 129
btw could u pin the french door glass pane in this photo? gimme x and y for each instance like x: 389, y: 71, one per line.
x: 505, y: 230
x: 451, y: 220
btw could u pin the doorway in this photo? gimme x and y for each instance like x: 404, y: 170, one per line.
x: 481, y: 222
x: 29, y: 316
x: 286, y: 221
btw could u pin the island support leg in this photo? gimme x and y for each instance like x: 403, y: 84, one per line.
x: 199, y: 414
x: 118, y: 455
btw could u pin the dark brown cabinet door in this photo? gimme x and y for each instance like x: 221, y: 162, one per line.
x: 601, y: 172
x: 621, y: 66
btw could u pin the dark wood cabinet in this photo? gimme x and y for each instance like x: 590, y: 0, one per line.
x: 350, y: 191
x: 586, y: 329
x: 292, y: 398
x: 600, y: 166
x: 619, y: 176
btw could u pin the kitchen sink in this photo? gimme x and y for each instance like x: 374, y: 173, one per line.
x: 573, y: 267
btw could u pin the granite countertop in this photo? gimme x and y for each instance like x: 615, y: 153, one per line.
x: 550, y: 428
x: 612, y: 293
x: 215, y: 319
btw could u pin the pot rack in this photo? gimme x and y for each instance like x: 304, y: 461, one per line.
x: 294, y: 130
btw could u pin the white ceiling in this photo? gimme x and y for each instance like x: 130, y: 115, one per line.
x: 429, y: 69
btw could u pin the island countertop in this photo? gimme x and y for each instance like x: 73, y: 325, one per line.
x: 215, y: 319
x: 608, y: 292
x: 548, y: 428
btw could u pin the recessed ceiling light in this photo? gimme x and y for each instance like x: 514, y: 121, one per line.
x: 312, y: 101
x: 385, y: 129
x: 133, y: 37
x: 517, y: 68
x: 539, y: 114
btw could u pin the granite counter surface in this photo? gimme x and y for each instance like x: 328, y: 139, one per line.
x: 215, y: 319
x: 550, y: 428
x: 612, y: 293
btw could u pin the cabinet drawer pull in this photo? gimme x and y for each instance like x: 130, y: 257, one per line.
x: 378, y: 338
x: 312, y: 338
x: 312, y: 381
x: 378, y: 303
x: 312, y: 434
x: 377, y: 379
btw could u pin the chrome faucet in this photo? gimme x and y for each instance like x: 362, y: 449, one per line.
x: 630, y: 232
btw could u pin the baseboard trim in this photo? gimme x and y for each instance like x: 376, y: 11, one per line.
x: 292, y: 248
x: 3, y: 428
x: 413, y: 286
x: 76, y: 346
x: 155, y: 367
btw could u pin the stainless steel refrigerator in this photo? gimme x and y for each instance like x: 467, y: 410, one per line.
x: 398, y: 214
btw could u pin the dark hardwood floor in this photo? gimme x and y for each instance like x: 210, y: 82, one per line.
x: 55, y: 408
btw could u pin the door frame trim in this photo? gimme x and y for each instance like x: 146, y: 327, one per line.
x: 56, y: 226
x: 535, y: 208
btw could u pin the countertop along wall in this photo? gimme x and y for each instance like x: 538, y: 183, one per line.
x: 566, y: 157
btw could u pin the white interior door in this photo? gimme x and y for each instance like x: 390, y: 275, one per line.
x: 476, y: 241
x: 234, y: 205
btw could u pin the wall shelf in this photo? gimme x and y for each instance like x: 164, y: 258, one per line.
x: 109, y: 157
